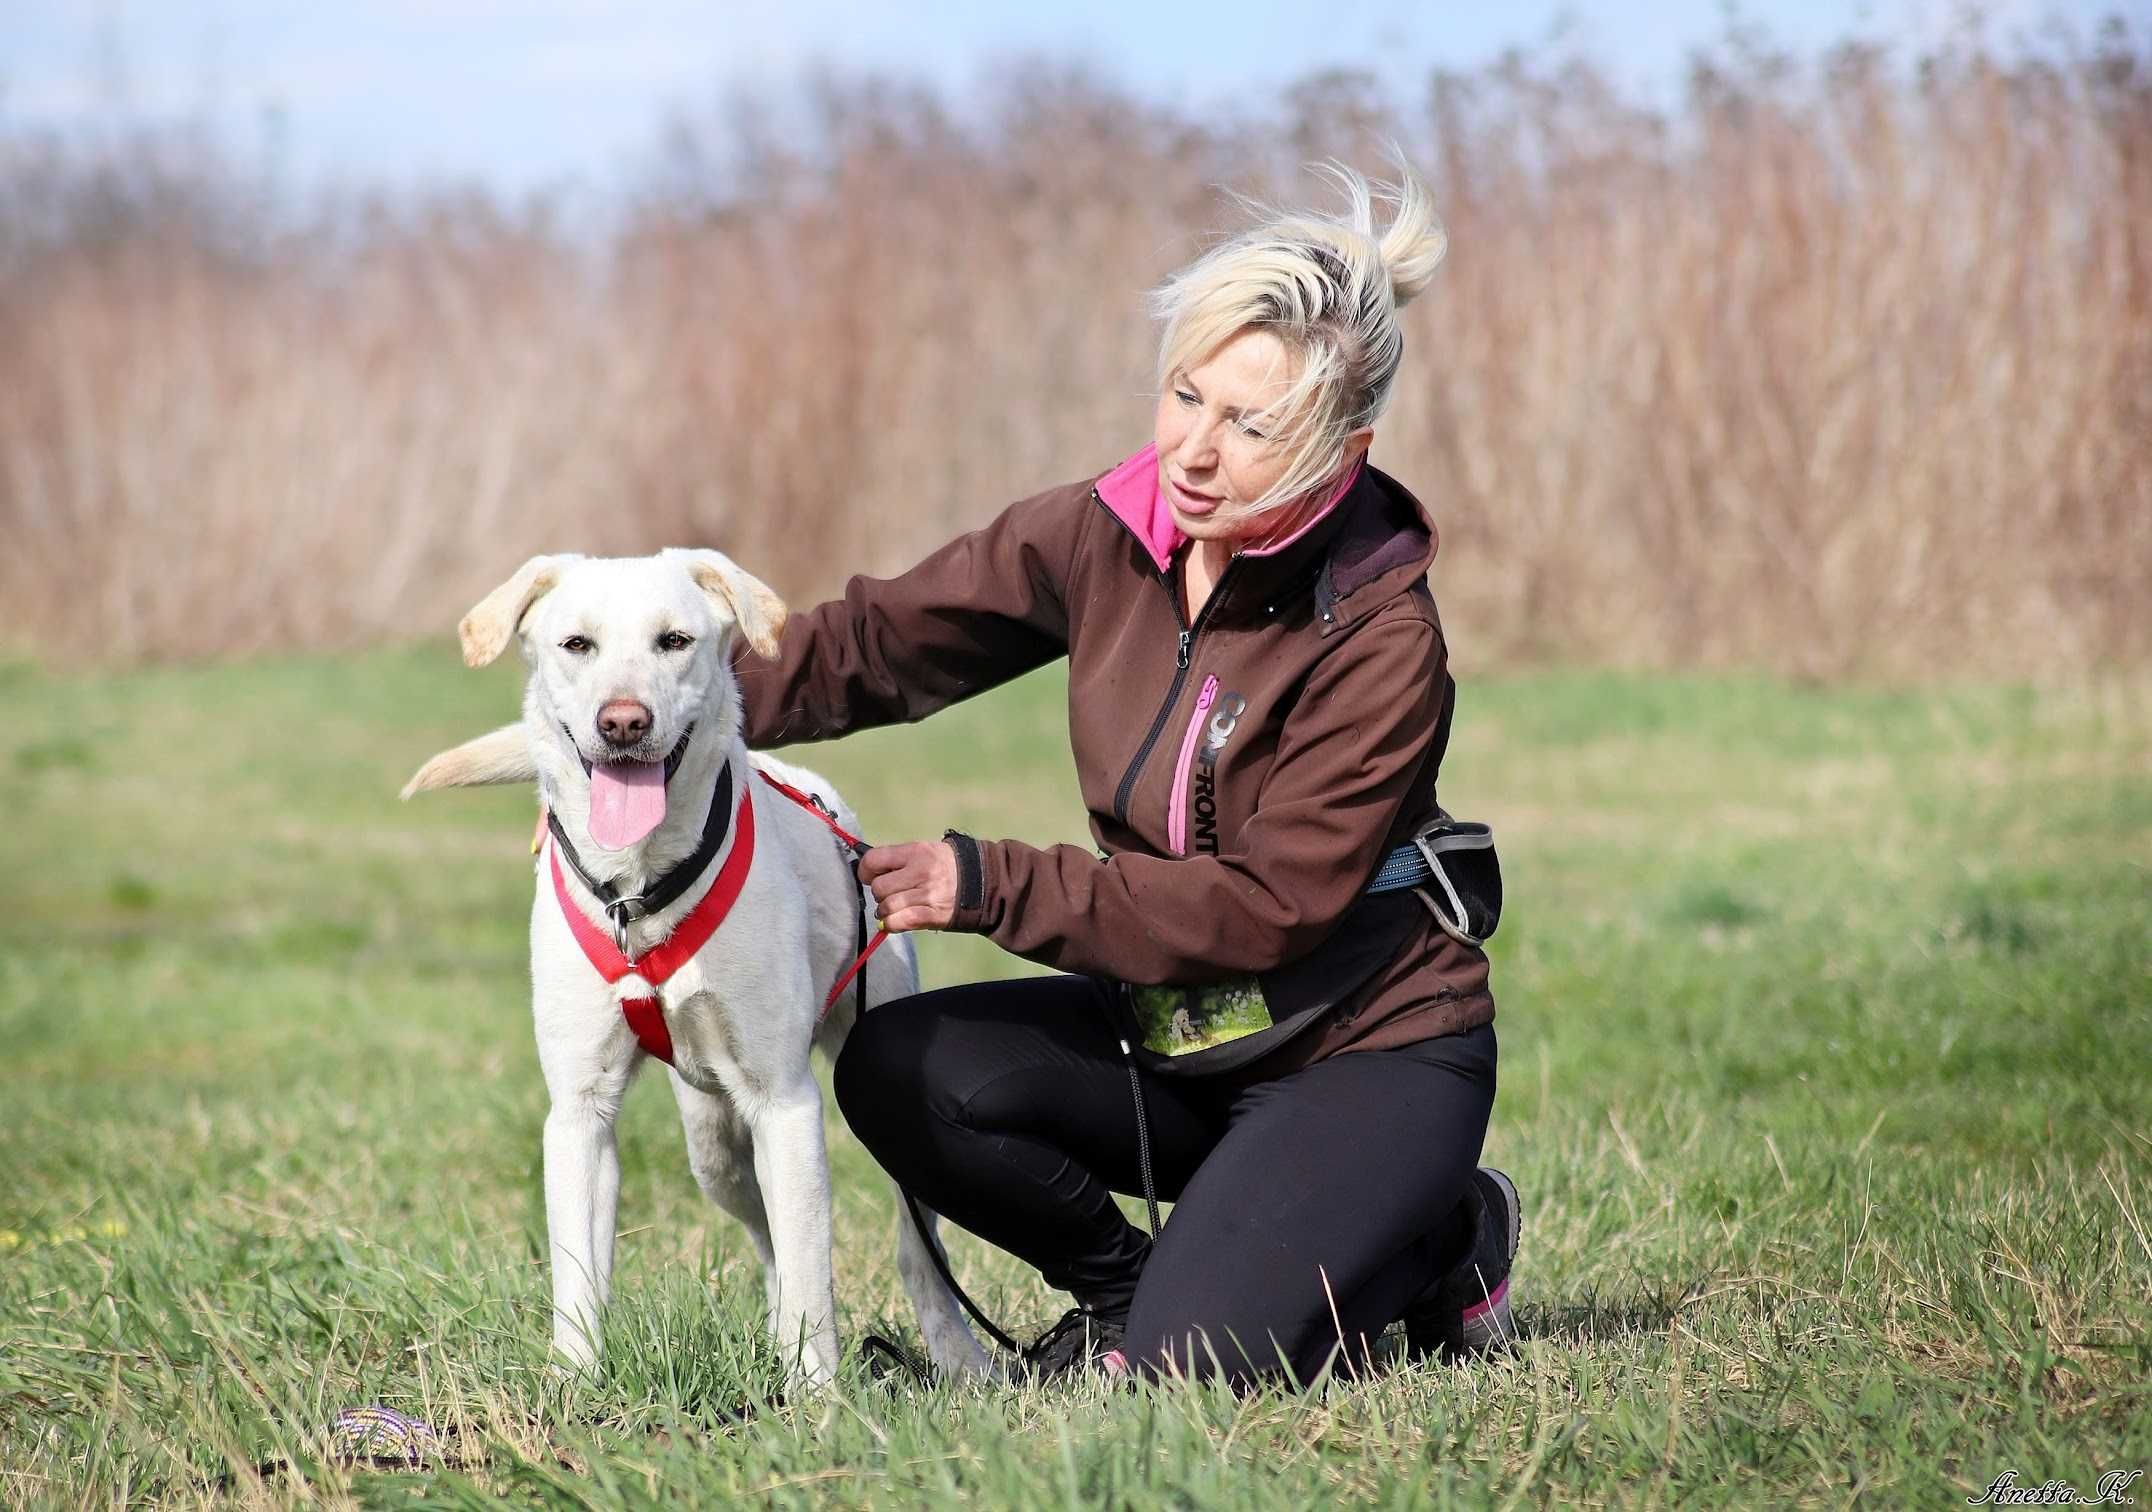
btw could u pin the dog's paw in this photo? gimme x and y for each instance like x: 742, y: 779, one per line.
x: 956, y: 1354
x: 809, y: 1376
x: 568, y: 1375
x: 575, y: 1354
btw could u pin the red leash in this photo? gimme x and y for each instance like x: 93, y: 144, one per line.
x: 646, y: 1015
x: 814, y: 806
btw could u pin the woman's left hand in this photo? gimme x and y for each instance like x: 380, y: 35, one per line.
x: 914, y: 884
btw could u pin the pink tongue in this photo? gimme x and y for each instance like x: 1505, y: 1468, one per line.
x: 627, y: 801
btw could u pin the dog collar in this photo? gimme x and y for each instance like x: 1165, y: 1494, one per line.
x: 646, y: 1015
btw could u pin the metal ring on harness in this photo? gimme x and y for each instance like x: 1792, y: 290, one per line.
x: 625, y: 913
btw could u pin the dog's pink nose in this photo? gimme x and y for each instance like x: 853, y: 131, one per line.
x: 623, y: 722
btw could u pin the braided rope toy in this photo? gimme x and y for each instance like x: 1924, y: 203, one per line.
x: 382, y: 1433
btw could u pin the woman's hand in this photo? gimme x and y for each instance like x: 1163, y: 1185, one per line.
x: 914, y: 884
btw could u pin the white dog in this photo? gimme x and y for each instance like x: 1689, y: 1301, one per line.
x: 631, y: 726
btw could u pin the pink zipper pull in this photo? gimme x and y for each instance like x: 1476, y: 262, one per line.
x: 1177, y: 804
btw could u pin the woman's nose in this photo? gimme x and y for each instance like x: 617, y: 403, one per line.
x: 1198, y: 449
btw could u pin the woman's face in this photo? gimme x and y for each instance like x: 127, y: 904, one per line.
x: 1215, y: 456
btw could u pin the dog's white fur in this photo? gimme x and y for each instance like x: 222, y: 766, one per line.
x: 742, y: 1012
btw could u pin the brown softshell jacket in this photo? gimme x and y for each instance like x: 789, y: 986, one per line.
x: 1245, y: 775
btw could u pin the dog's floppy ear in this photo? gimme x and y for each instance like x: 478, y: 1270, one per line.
x: 752, y: 604
x: 492, y: 622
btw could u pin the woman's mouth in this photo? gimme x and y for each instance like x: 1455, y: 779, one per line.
x: 1195, y: 505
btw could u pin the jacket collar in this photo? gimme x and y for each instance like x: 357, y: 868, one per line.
x: 1371, y: 532
x: 1131, y: 491
x: 1383, y: 543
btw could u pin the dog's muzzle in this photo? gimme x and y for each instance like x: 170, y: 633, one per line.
x: 673, y: 758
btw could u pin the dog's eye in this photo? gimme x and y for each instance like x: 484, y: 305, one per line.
x: 675, y: 640
x: 578, y: 645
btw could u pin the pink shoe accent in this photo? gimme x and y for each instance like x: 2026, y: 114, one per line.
x: 1479, y: 1310
x: 1114, y: 1364
x: 1177, y: 805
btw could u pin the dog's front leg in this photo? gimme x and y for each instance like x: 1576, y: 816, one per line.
x: 582, y: 1199
x: 792, y: 1167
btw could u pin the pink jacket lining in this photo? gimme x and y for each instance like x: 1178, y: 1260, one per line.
x: 1131, y: 491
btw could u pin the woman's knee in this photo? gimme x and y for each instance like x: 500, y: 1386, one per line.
x: 881, y: 1073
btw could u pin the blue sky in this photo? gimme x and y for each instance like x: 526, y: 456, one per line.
x: 545, y: 93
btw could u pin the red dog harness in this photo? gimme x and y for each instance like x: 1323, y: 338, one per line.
x: 646, y: 1015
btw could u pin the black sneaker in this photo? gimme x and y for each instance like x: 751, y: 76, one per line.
x: 1465, y: 1314
x: 1081, y: 1339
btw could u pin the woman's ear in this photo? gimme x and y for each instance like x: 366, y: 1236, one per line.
x: 738, y: 595
x: 494, y: 619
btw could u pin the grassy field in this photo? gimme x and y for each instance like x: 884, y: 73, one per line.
x: 1825, y: 1016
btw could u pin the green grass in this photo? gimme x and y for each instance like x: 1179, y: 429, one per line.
x: 1826, y: 1020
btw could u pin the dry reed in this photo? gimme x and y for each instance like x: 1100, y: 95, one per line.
x: 1836, y: 370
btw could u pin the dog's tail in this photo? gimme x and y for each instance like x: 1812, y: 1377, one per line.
x: 501, y: 756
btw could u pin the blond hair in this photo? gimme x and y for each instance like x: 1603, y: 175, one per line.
x: 1329, y: 287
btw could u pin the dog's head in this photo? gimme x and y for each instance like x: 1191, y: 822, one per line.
x: 630, y: 671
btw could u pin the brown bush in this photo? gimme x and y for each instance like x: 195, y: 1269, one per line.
x: 1838, y: 369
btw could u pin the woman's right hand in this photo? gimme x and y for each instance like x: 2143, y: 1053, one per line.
x: 914, y: 884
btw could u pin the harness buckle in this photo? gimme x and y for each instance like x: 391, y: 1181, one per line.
x: 845, y: 847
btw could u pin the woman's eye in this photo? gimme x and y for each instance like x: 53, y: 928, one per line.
x: 1250, y: 431
x: 577, y: 645
x: 1186, y: 398
x: 675, y: 640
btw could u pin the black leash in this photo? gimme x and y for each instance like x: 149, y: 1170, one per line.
x: 859, y: 949
x: 875, y: 1345
x: 941, y: 1260
x: 1143, y: 1139
x: 941, y: 1266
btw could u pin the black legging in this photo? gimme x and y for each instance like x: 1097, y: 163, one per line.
x: 1309, y: 1209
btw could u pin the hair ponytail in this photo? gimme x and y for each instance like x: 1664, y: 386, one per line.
x: 1413, y: 246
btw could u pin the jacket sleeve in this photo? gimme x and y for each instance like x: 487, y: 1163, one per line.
x: 987, y: 607
x: 1348, y: 756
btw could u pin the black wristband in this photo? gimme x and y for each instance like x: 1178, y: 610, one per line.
x: 970, y: 871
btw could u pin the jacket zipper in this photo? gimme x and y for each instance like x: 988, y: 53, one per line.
x: 1180, y: 665
x: 1177, y: 805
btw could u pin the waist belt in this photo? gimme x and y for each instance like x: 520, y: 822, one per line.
x: 1402, y: 868
x: 1454, y: 862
